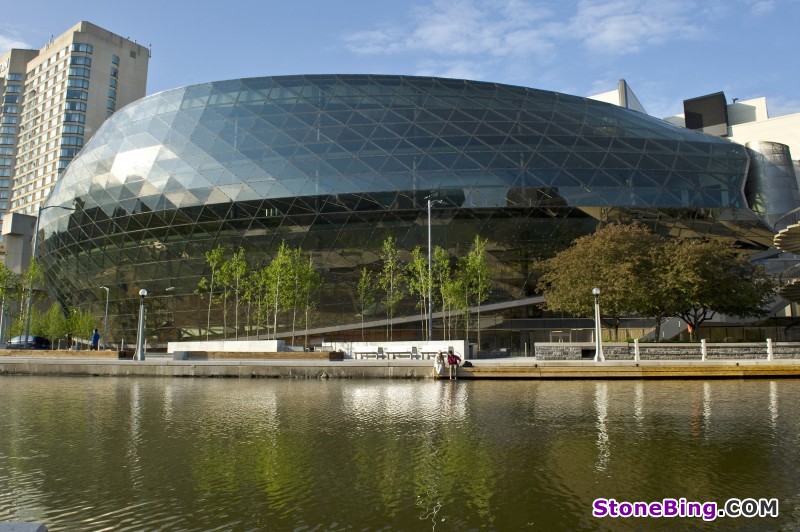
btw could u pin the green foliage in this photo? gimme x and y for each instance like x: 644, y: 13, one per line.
x: 641, y: 273
x: 418, y: 281
x: 81, y: 324
x: 366, y: 296
x: 232, y: 276
x: 391, y: 280
x: 616, y: 259
x: 55, y: 324
x: 308, y: 282
x: 710, y: 276
x: 473, y: 281
x: 9, y: 282
x: 445, y: 294
x: 214, y: 260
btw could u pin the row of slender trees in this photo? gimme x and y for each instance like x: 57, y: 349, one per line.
x: 286, y: 287
x: 55, y: 323
x: 642, y: 273
x: 453, y: 285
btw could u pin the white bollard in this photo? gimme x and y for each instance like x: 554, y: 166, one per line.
x: 769, y: 349
x: 703, y: 349
x: 636, y: 350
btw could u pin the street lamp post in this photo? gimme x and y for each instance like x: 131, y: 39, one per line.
x: 430, y: 278
x: 33, y: 257
x: 598, y: 343
x: 105, y: 321
x: 139, y: 354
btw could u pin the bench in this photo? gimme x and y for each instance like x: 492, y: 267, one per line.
x: 368, y: 351
x: 429, y: 351
x: 402, y: 352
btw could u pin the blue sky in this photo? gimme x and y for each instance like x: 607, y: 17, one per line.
x: 667, y: 50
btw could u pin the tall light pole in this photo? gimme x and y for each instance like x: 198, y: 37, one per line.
x: 139, y: 354
x: 105, y: 321
x: 430, y: 262
x: 598, y: 343
x: 33, y: 257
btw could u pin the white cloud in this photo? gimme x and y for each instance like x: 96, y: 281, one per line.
x: 624, y: 26
x: 762, y: 7
x: 531, y: 29
x: 462, y: 28
x: 7, y: 42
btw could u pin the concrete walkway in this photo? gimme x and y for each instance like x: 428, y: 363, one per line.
x: 505, y: 368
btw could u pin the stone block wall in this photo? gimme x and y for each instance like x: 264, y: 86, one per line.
x: 667, y: 351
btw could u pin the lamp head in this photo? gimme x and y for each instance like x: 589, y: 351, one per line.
x: 142, y: 292
x: 596, y: 291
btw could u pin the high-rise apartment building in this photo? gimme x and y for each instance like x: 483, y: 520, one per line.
x: 54, y: 99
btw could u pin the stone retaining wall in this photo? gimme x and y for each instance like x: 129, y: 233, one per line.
x: 648, y: 351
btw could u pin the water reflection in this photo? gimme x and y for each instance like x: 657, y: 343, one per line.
x: 199, y: 454
x: 638, y: 403
x: 601, y: 407
x: 773, y: 405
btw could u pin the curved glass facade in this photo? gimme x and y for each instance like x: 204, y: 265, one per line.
x: 334, y: 164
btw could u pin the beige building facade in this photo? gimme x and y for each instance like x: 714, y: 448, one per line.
x: 54, y: 99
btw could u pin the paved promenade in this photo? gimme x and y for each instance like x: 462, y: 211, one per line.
x: 104, y: 364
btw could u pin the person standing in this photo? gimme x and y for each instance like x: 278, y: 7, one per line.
x: 96, y: 340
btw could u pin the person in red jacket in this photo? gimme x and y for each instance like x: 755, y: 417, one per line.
x: 453, y: 360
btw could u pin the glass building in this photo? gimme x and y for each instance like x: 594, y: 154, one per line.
x: 333, y: 164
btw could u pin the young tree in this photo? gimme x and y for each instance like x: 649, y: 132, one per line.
x: 81, y: 324
x: 418, y: 282
x: 9, y: 288
x: 55, y: 324
x: 366, y: 296
x: 258, y: 292
x: 214, y: 260
x: 278, y: 276
x: 308, y: 287
x: 476, y: 279
x: 444, y: 294
x: 31, y: 278
x: 391, y: 280
x: 233, y: 273
x: 293, y: 290
x: 710, y: 276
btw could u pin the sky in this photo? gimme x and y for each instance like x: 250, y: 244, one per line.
x: 667, y: 50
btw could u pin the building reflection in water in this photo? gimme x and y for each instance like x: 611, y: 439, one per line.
x: 706, y: 406
x: 773, y: 406
x: 638, y: 403
x: 601, y: 407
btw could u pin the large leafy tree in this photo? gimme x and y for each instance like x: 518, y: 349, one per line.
x: 641, y: 273
x: 709, y: 276
x: 618, y: 259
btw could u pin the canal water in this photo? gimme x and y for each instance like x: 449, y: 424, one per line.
x: 284, y: 454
